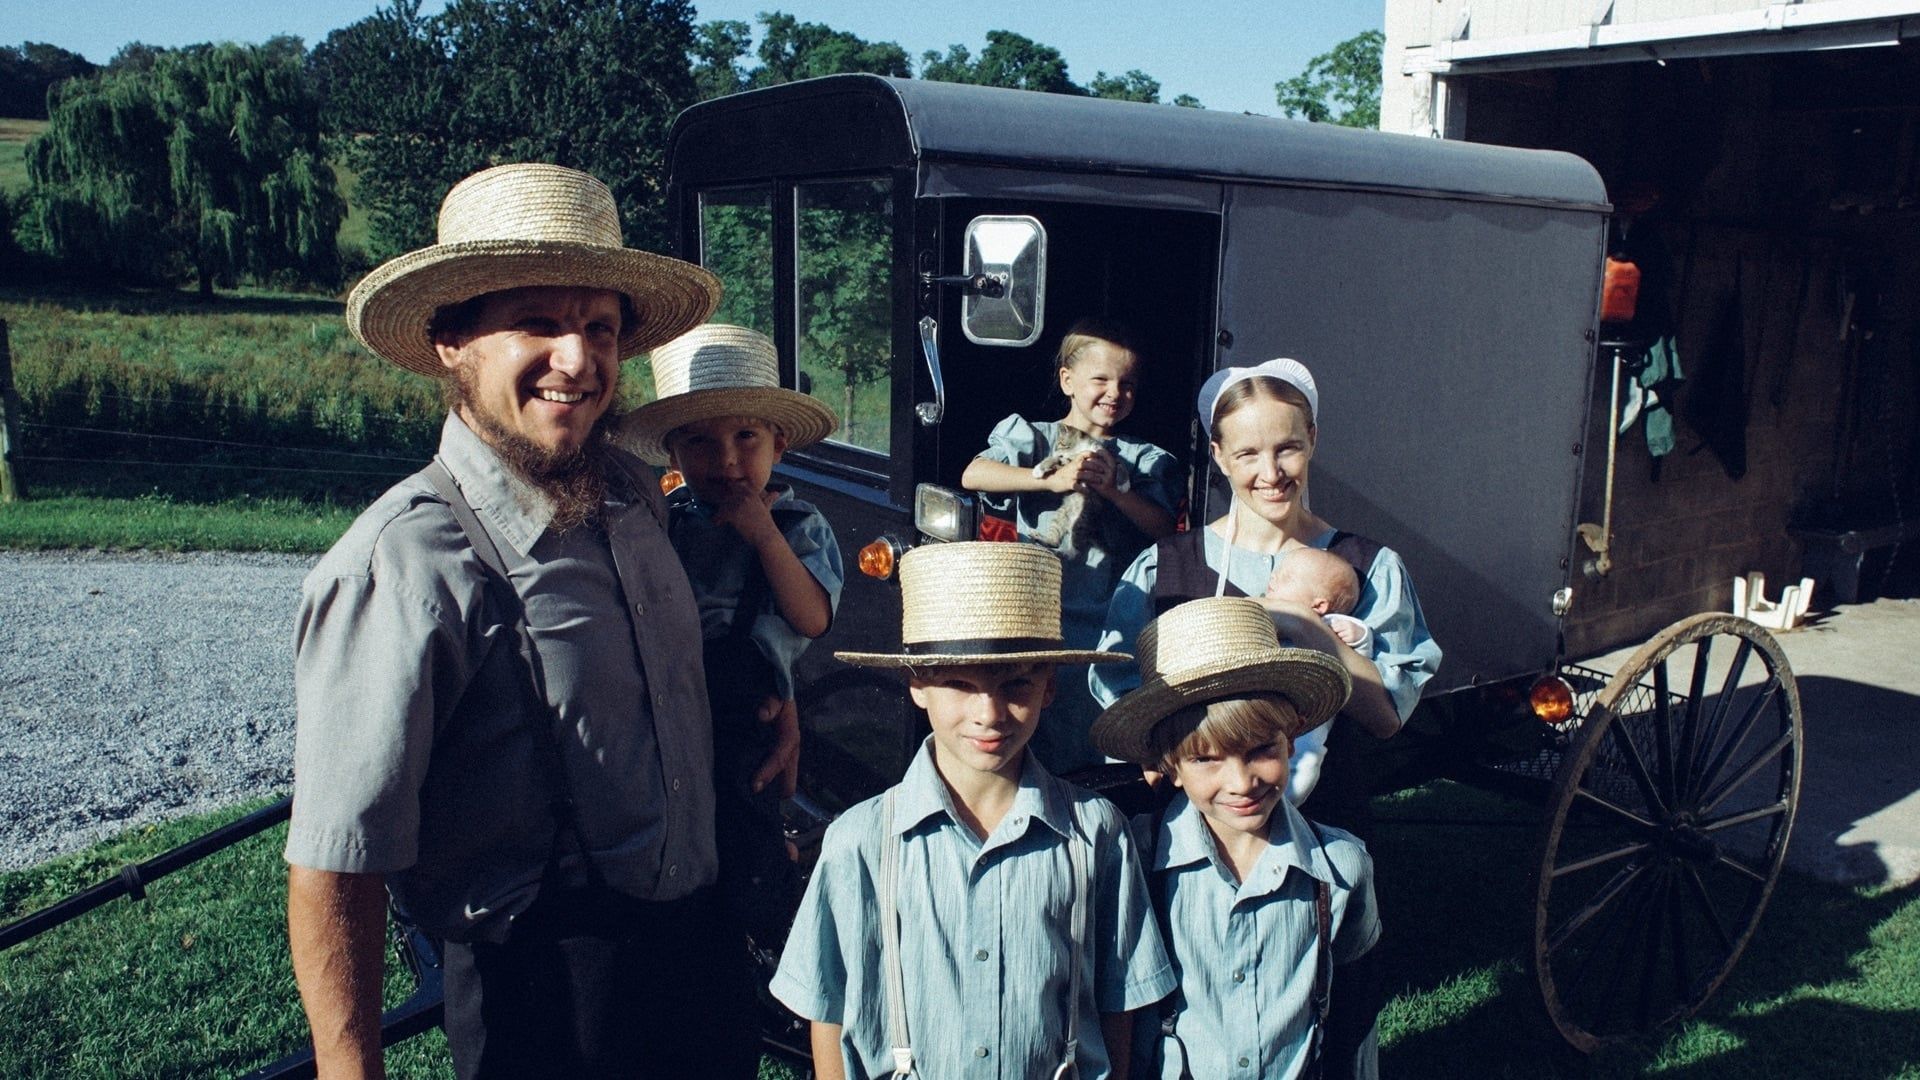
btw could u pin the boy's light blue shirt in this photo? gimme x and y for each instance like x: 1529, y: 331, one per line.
x: 1245, y: 951
x: 717, y: 560
x: 985, y: 931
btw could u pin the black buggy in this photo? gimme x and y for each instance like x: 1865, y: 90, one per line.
x: 916, y: 249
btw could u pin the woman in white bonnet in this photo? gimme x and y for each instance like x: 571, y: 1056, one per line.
x: 1262, y: 423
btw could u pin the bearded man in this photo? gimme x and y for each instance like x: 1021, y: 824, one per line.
x: 500, y: 726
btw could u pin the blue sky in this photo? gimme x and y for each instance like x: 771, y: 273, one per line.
x: 1227, y: 53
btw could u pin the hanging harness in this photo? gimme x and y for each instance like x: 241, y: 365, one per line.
x: 898, y: 1037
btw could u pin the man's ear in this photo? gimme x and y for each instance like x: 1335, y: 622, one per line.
x: 448, y: 347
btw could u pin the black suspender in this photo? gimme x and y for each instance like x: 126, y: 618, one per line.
x: 541, y: 720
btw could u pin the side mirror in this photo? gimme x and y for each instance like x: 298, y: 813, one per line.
x: 1007, y: 254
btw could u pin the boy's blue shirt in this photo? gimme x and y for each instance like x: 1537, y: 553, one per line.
x: 718, y: 559
x: 985, y: 931
x: 1245, y: 951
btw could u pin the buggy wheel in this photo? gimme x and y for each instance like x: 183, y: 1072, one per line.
x: 1666, y: 830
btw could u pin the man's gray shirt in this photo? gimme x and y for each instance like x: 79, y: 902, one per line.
x: 413, y: 756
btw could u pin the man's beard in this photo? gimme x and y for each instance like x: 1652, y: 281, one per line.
x: 574, y: 481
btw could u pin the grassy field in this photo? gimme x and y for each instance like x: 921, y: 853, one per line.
x: 194, y: 981
x: 14, y: 134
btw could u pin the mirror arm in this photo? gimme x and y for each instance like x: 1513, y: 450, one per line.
x: 991, y: 285
x: 932, y: 412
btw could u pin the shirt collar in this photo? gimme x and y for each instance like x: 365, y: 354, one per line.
x: 1185, y: 840
x: 516, y: 511
x: 1039, y: 799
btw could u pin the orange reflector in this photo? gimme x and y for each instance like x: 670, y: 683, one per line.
x: 877, y: 558
x: 1552, y: 699
x: 671, y: 481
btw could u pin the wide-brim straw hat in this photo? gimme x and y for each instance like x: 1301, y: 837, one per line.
x: 980, y: 603
x: 1209, y: 650
x: 519, y: 225
x: 719, y: 370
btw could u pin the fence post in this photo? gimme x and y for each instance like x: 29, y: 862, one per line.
x: 10, y: 486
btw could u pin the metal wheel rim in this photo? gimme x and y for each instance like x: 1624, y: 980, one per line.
x: 1739, y: 745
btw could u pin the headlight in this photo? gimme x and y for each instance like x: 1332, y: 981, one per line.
x: 942, y: 513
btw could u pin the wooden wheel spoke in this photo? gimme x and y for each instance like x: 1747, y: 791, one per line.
x: 1600, y: 901
x: 1733, y: 742
x: 1677, y: 938
x: 1657, y: 893
x: 1696, y: 689
x: 1699, y: 890
x: 1596, y: 860
x: 1745, y: 772
x: 1637, y: 904
x: 1608, y: 804
x: 1741, y: 868
x: 1637, y: 765
x: 1755, y: 814
x: 1662, y: 726
x: 1723, y: 704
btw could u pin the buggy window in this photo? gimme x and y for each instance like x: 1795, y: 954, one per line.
x: 842, y: 254
x: 736, y: 243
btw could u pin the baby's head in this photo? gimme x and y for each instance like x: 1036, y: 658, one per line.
x: 1319, y: 579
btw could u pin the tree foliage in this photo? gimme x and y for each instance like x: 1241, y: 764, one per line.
x: 1135, y: 85
x: 1009, y: 60
x: 415, y: 102
x: 1341, y: 86
x: 208, y: 163
x: 28, y: 71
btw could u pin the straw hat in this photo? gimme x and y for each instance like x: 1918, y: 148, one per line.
x: 980, y: 603
x: 720, y: 370
x: 1286, y: 370
x: 1208, y: 650
x: 516, y: 225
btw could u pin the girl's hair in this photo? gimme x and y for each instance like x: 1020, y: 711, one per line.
x: 1260, y: 386
x: 1094, y: 328
x: 1229, y: 726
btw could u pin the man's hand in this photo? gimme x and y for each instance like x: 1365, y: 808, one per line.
x: 783, y: 763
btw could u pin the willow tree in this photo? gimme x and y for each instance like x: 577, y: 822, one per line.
x: 205, y: 165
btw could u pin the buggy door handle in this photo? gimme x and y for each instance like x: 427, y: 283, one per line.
x: 932, y: 412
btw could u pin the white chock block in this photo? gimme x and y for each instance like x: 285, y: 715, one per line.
x: 1750, y: 602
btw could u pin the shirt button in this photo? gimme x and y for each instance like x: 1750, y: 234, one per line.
x: 676, y: 783
x: 1239, y: 976
x: 1243, y: 1063
x: 639, y: 608
x: 673, y: 870
x: 979, y: 1051
x: 980, y: 954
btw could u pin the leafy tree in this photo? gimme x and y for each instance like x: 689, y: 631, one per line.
x: 791, y: 50
x: 1188, y: 101
x: 135, y: 56
x: 717, y: 48
x: 1009, y: 60
x: 1135, y: 85
x: 29, y: 71
x: 1341, y: 86
x: 421, y: 102
x: 207, y: 164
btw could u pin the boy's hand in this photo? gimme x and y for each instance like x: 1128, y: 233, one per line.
x: 783, y: 763
x: 752, y: 517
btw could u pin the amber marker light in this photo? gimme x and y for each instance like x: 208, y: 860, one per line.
x: 1551, y: 699
x: 877, y: 560
x: 671, y: 481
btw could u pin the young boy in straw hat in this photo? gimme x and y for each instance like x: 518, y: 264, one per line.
x: 1265, y: 914
x: 766, y: 574
x: 951, y: 917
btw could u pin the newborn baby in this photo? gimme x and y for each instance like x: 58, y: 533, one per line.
x: 1328, y: 584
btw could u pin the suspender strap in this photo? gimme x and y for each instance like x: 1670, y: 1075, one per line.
x: 897, y: 1036
x: 1082, y: 885
x: 541, y: 719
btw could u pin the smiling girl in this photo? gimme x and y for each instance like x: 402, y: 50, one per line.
x: 1098, y: 368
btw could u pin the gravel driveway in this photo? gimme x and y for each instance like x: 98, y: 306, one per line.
x: 138, y: 687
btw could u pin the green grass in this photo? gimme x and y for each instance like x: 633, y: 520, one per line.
x: 163, y: 523
x: 195, y: 982
x: 14, y: 134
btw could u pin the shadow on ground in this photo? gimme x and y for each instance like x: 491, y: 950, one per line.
x: 1805, y: 999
